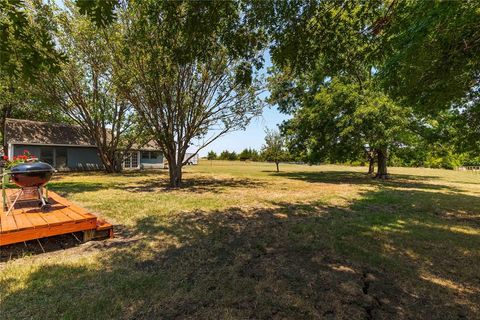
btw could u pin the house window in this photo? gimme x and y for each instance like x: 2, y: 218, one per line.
x: 46, y: 155
x: 150, y: 154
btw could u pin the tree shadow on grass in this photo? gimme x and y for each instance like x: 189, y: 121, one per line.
x: 195, y: 185
x: 131, y: 173
x: 66, y: 188
x: 153, y: 183
x: 392, y: 254
x: 358, y: 178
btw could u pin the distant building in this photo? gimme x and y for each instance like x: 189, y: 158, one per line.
x: 193, y: 160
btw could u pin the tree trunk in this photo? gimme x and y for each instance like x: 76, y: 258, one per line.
x: 107, y: 164
x: 118, y: 162
x: 113, y: 165
x: 175, y: 173
x: 382, y: 164
x: 108, y: 168
x: 110, y: 159
x: 278, y: 170
x: 371, y: 165
x: 6, y: 112
x: 115, y: 161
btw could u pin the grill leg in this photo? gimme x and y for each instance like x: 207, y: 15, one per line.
x: 4, y: 193
x: 14, y: 201
x: 45, y: 206
x: 43, y: 194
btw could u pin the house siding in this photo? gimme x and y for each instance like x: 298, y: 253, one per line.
x: 82, y: 158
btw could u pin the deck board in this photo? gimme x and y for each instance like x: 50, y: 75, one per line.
x: 63, y: 218
x: 72, y: 214
x: 52, y: 219
x: 8, y: 223
x: 27, y: 222
x: 22, y: 221
x: 36, y: 219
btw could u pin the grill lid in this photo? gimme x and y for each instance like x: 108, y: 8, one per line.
x: 32, y: 167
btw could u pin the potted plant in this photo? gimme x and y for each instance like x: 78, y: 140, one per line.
x: 10, y: 163
x: 25, y: 157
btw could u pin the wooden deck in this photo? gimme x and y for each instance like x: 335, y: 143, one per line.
x: 27, y: 222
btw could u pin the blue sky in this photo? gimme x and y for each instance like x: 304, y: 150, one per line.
x: 253, y: 136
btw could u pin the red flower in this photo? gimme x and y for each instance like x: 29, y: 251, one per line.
x: 5, y: 158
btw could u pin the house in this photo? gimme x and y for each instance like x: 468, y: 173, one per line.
x: 66, y: 147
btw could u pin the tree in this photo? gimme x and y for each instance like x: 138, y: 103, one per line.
x: 224, y: 155
x: 274, y: 148
x: 254, y: 155
x: 345, y: 122
x: 212, y: 155
x: 26, y: 47
x: 248, y: 154
x: 26, y: 50
x: 227, y: 155
x: 244, y: 155
x: 426, y: 53
x: 436, y: 62
x: 466, y: 122
x: 233, y: 156
x: 325, y: 38
x: 191, y: 72
x: 86, y: 91
x: 327, y: 57
x: 434, y: 67
x: 21, y: 99
x: 101, y: 12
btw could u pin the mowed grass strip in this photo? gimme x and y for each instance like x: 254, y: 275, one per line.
x: 242, y: 241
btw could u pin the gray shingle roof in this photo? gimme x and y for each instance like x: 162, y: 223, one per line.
x: 27, y: 131
x: 20, y: 131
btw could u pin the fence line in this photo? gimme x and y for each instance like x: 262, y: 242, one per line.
x: 475, y: 169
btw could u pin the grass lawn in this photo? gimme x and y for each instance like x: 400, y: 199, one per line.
x: 241, y: 241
